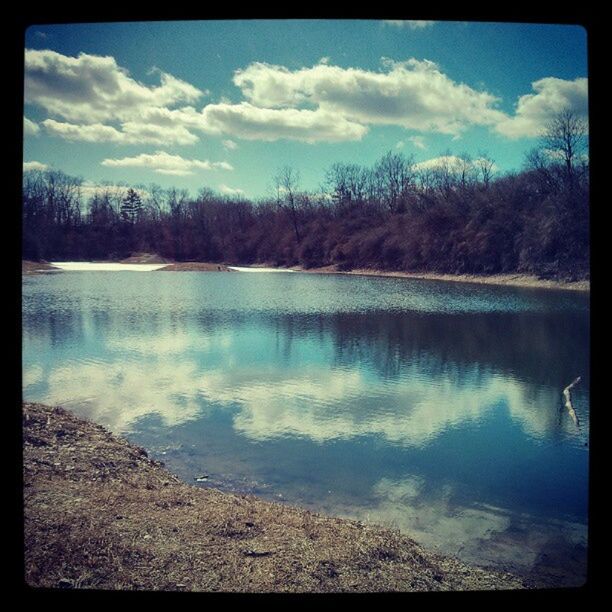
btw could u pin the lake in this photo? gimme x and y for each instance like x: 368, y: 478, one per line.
x: 430, y: 407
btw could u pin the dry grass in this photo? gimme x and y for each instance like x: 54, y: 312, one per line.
x: 100, y: 514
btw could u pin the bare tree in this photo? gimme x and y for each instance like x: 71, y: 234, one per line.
x: 565, y: 137
x: 485, y: 167
x: 286, y: 185
x: 347, y: 184
x: 394, y: 176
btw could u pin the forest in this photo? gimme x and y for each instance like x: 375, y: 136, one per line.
x: 458, y: 216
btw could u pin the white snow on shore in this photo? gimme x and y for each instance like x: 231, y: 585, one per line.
x: 241, y: 269
x: 87, y: 266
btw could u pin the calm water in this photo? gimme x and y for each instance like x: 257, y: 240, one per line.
x: 430, y: 407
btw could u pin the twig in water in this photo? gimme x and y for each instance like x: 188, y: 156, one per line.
x: 568, y: 401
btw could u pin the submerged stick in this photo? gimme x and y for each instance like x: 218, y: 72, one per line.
x: 568, y: 401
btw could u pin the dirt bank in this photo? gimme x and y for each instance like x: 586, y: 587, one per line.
x: 145, y: 258
x: 195, y: 266
x: 35, y: 267
x: 100, y: 514
x: 517, y: 280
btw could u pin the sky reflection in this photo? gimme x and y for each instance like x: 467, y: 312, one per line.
x: 447, y: 425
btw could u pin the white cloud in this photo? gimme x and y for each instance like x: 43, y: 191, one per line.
x: 117, y: 192
x: 418, y: 142
x: 450, y: 162
x: 91, y: 98
x: 230, y: 145
x: 94, y: 89
x: 413, y: 24
x: 413, y: 94
x: 94, y: 132
x: 551, y: 96
x: 164, y: 163
x: 30, y: 128
x: 251, y: 122
x: 438, y: 162
x: 145, y: 133
x: 234, y: 191
x: 34, y: 165
x: 131, y: 133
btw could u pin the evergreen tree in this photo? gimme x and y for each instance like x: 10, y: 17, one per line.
x: 131, y: 206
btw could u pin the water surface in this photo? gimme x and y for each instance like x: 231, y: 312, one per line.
x: 426, y: 406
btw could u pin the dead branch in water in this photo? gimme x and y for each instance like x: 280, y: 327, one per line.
x: 568, y: 401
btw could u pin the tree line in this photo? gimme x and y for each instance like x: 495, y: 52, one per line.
x: 456, y: 216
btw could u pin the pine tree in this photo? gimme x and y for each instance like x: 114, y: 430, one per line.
x: 131, y: 206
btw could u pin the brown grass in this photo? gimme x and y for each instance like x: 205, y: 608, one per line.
x: 100, y: 514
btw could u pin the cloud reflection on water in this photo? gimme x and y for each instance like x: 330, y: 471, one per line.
x: 318, y: 403
x: 479, y: 533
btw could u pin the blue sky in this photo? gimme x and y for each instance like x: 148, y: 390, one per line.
x: 224, y: 104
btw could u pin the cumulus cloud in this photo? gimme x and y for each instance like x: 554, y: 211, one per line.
x: 252, y: 122
x: 92, y: 88
x: 30, y: 128
x: 34, y: 165
x: 164, y: 163
x: 533, y: 111
x: 91, y: 98
x: 413, y: 24
x: 413, y: 94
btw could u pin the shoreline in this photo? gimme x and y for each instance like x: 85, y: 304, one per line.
x: 507, y: 280
x: 99, y: 513
x: 29, y: 268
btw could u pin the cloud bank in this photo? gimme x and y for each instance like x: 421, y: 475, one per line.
x: 91, y: 98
